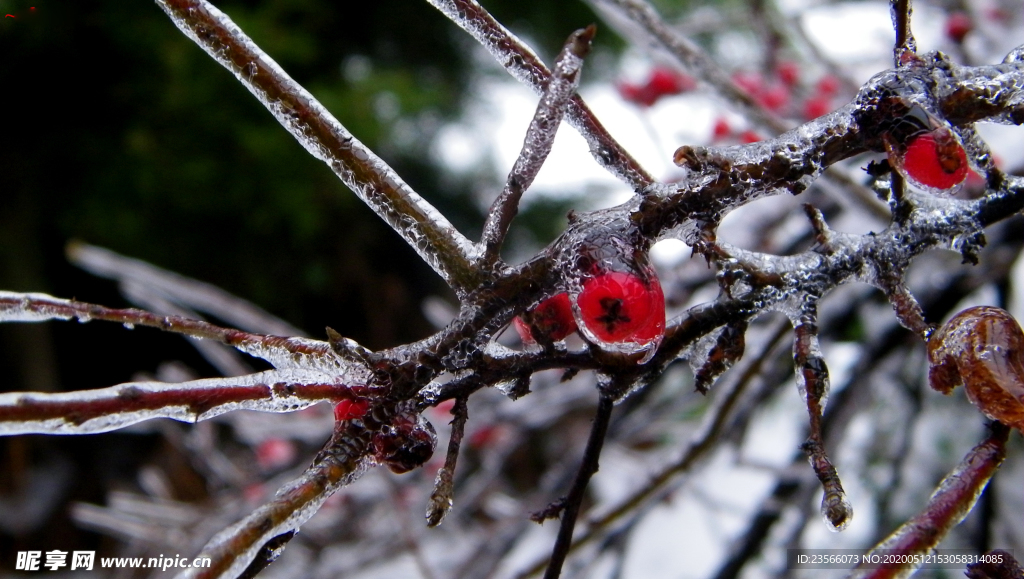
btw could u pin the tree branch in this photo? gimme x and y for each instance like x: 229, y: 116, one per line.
x: 525, y: 66
x: 428, y: 232
x: 540, y: 136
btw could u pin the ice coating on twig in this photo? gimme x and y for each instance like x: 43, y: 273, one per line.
x: 233, y: 549
x: 106, y: 409
x: 952, y: 500
x: 179, y: 289
x: 540, y: 136
x: 432, y: 236
x: 302, y: 353
x: 523, y: 64
x: 813, y: 381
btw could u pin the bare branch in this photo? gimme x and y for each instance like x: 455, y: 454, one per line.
x: 440, y: 501
x: 588, y: 467
x: 525, y: 66
x: 367, y: 175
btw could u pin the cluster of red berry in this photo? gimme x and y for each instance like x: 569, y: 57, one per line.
x: 614, y: 307
x: 661, y: 82
x: 776, y: 95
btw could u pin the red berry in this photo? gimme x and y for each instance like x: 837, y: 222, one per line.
x: 828, y: 85
x: 957, y: 26
x: 667, y: 82
x: 936, y: 159
x: 621, y: 307
x: 274, y: 453
x: 629, y: 92
x: 552, y: 318
x: 349, y: 409
x: 774, y: 98
x: 789, y: 72
x: 815, y: 107
x: 751, y: 82
x: 721, y: 129
x: 749, y: 137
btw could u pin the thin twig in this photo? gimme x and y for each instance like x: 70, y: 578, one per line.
x: 281, y: 351
x: 906, y: 46
x: 440, y: 501
x: 952, y: 501
x: 106, y: 409
x: 588, y: 467
x: 540, y: 136
x: 694, y: 59
x: 525, y: 66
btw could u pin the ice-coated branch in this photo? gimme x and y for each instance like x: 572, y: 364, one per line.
x: 813, y: 381
x: 280, y: 351
x: 179, y: 289
x: 419, y: 223
x: 522, y: 63
x: 441, y: 498
x: 906, y: 46
x: 106, y: 409
x: 540, y: 136
x: 952, y: 500
x: 233, y: 550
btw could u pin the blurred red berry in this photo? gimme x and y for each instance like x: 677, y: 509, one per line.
x: 552, y: 318
x: 721, y: 129
x: 349, y: 409
x: 827, y: 85
x: 629, y: 92
x: 664, y: 81
x: 774, y: 98
x: 789, y: 73
x: 751, y: 82
x: 815, y: 107
x: 936, y: 159
x: 621, y: 307
x: 749, y: 137
x: 274, y: 453
x: 958, y: 24
x: 661, y: 82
